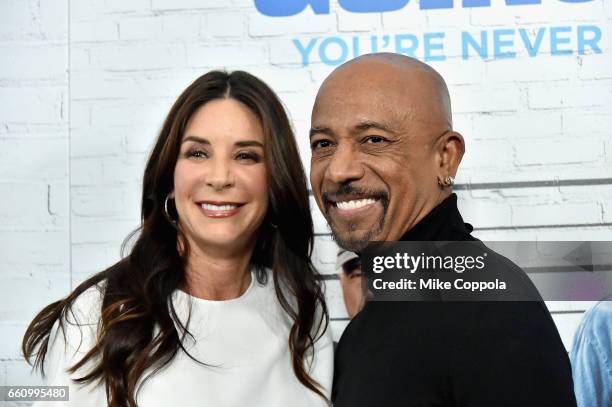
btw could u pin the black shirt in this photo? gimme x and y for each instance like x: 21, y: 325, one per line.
x: 484, y: 354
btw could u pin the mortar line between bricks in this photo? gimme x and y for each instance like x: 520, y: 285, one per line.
x: 535, y: 184
x: 69, y: 108
x: 488, y: 228
x: 558, y: 226
x: 528, y: 184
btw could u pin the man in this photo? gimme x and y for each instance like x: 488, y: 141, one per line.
x: 384, y: 158
x: 348, y: 266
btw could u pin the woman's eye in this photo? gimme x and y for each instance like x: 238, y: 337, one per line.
x: 197, y: 154
x: 248, y: 157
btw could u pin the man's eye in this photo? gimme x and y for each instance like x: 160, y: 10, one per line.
x: 374, y: 139
x: 321, y: 144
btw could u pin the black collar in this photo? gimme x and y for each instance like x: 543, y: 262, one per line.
x: 443, y: 223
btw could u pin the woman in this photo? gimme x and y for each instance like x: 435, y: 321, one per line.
x: 217, y: 303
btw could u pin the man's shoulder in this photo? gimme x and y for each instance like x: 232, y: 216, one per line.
x: 597, y: 322
x: 600, y: 314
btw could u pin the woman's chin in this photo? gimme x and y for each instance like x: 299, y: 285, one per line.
x: 225, y: 241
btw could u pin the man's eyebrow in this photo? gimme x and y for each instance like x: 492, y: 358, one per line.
x: 367, y: 125
x: 324, y: 130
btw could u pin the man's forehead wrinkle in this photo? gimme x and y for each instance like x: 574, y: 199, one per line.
x: 367, y: 123
x: 397, y: 116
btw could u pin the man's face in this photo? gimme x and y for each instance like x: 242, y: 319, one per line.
x: 374, y: 164
x: 351, y: 283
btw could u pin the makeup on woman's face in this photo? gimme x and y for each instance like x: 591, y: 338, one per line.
x: 220, y: 179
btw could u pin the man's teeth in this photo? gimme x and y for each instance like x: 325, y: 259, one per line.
x: 354, y: 204
x: 212, y: 207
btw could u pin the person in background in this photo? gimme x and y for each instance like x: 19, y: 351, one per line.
x: 591, y: 357
x: 217, y: 302
x: 348, y: 266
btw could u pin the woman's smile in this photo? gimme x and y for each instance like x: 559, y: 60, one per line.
x: 219, y: 209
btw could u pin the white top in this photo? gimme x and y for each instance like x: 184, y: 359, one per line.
x: 244, y: 342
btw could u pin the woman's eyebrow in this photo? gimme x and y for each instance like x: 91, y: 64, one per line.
x: 244, y: 143
x: 249, y: 143
x: 196, y: 139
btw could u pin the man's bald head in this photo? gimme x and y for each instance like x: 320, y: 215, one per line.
x: 419, y: 84
x: 382, y: 147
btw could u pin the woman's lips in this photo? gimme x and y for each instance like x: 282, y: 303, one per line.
x: 219, y: 210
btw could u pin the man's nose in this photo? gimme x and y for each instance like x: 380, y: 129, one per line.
x: 344, y: 165
x: 219, y: 175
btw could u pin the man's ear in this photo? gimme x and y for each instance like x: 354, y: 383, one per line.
x: 451, y: 150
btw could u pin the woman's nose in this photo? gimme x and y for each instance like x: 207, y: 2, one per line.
x: 220, y: 175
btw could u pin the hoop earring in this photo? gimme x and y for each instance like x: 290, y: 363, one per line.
x: 172, y: 221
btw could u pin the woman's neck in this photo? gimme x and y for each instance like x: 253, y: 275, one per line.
x: 217, y: 275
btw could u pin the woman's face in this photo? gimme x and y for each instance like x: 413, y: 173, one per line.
x: 220, y: 183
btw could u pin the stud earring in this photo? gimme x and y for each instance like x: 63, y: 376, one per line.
x: 449, y: 181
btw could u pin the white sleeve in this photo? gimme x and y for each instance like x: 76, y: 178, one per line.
x: 68, y: 346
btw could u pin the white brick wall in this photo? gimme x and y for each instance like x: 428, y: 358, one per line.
x: 85, y: 85
x: 34, y: 170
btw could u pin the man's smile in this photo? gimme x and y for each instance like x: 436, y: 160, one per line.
x: 349, y: 207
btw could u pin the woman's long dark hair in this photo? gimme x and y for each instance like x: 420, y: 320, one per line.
x: 137, y: 291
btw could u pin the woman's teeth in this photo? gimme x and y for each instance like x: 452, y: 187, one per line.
x: 212, y: 207
x: 354, y: 204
